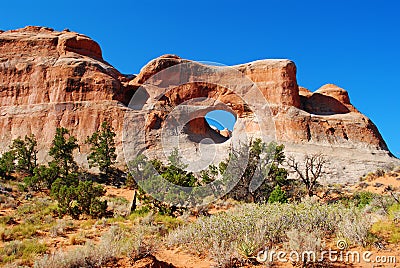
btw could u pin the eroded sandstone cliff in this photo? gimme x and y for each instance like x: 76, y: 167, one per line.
x: 50, y: 79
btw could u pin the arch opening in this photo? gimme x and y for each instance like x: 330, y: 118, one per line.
x: 215, y: 125
x: 221, y: 120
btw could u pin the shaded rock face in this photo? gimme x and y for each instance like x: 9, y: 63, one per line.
x: 50, y: 79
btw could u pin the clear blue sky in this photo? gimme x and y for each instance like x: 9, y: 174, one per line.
x: 354, y: 44
x: 221, y: 119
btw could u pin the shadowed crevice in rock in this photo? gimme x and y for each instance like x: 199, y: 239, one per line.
x: 322, y: 105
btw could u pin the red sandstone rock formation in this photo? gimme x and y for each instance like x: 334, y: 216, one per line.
x: 50, y: 79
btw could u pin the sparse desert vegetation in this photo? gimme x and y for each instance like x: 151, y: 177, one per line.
x: 59, y: 215
x: 241, y: 233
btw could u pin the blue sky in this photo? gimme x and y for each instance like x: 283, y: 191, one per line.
x: 221, y: 119
x: 354, y: 44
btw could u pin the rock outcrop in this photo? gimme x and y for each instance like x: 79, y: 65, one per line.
x: 50, y: 79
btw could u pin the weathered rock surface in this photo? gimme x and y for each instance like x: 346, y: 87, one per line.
x: 50, y: 79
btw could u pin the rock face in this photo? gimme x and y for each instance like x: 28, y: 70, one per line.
x: 50, y: 79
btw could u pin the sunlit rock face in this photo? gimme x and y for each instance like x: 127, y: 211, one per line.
x: 50, y: 79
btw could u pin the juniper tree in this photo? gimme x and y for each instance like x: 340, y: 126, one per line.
x: 43, y: 176
x: 7, y: 164
x: 102, y: 150
x: 152, y: 176
x: 77, y: 197
x: 62, y: 149
x: 26, y: 154
x: 259, y: 174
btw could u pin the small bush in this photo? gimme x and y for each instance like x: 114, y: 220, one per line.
x: 8, y: 202
x: 7, y: 164
x: 394, y: 212
x: 361, y: 199
x: 302, y: 242
x: 380, y: 204
x: 117, y: 242
x: 119, y: 206
x: 369, y: 176
x: 77, y: 239
x: 396, y: 169
x: 25, y: 250
x: 277, y: 195
x: 6, y: 220
x: 224, y: 255
x: 43, y: 177
x: 387, y: 229
x: 79, y: 197
x: 21, y: 231
x: 140, y: 245
x: 380, y: 172
x: 139, y: 213
x: 41, y: 207
x: 2, y: 233
x: 168, y: 221
x: 355, y: 226
x: 37, y: 214
x: 59, y: 228
x: 32, y: 216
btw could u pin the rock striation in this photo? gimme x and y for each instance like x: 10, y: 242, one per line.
x: 50, y: 79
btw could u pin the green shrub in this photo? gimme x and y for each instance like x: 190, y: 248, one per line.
x: 43, y: 177
x: 79, y: 197
x: 21, y: 231
x: 7, y: 164
x: 25, y: 250
x: 6, y: 220
x: 394, y: 212
x: 168, y: 221
x: 387, y: 229
x: 34, y: 215
x: 362, y: 199
x: 62, y: 149
x: 263, y: 166
x: 102, y: 150
x: 155, y: 177
x: 26, y: 154
x: 139, y: 213
x: 277, y: 195
x: 40, y: 207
